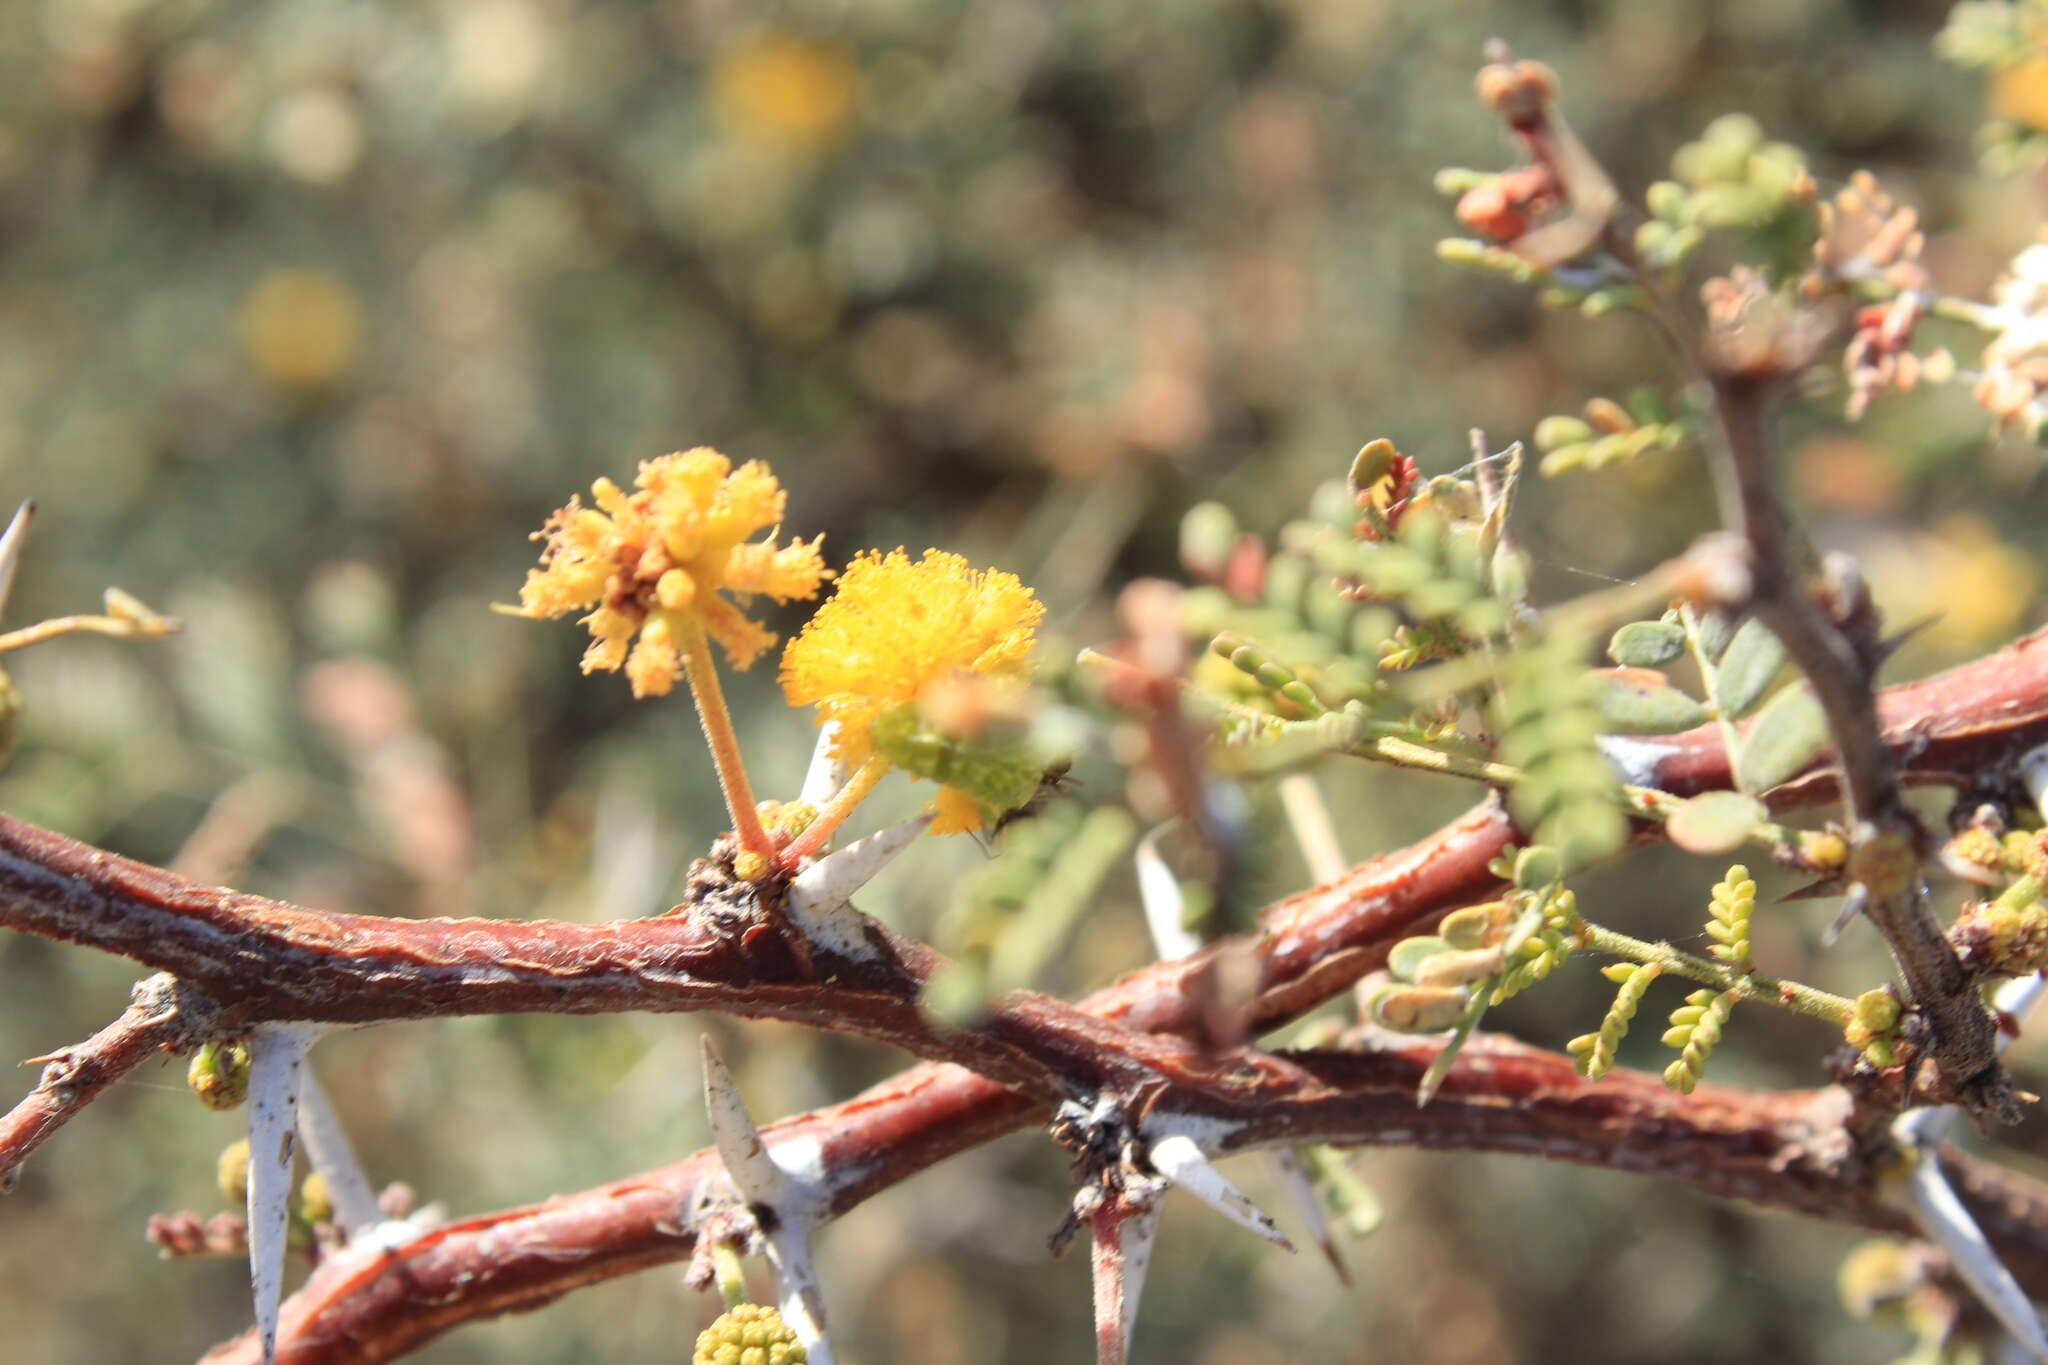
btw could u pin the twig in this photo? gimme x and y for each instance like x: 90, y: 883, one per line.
x: 165, y: 1016
x: 1778, y: 1150
x: 1315, y: 944
x: 1885, y: 840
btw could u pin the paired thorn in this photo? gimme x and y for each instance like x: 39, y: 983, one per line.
x: 827, y: 773
x: 793, y: 1204
x: 2033, y: 771
x: 1301, y: 1192
x: 1942, y: 1217
x: 1165, y: 907
x: 1181, y: 1159
x: 10, y: 550
x: 329, y: 1152
x: 277, y: 1057
x: 1852, y: 905
x: 819, y: 901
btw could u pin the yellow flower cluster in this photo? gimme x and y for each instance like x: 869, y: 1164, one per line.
x: 897, y: 627
x: 652, y: 562
x: 751, y: 1334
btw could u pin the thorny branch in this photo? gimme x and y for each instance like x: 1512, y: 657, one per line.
x: 165, y: 1016
x: 1747, y: 351
x: 272, y: 961
x: 1839, y: 653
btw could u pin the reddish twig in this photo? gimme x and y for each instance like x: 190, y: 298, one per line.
x: 164, y: 1017
x: 275, y: 960
x: 1786, y: 1152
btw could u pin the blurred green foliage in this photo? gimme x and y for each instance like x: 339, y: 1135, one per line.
x: 311, y: 309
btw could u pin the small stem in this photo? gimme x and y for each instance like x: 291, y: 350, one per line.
x: 729, y: 1274
x: 836, y: 810
x: 1407, y: 754
x: 118, y: 626
x: 1807, y: 1000
x: 718, y: 732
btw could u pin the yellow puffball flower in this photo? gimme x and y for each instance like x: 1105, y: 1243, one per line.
x: 896, y: 627
x: 652, y: 562
x: 751, y: 1334
x: 787, y: 89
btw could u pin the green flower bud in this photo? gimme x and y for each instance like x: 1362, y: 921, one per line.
x: 1878, y: 1010
x: 315, y: 1203
x: 219, y: 1074
x: 231, y: 1172
x: 1537, y: 866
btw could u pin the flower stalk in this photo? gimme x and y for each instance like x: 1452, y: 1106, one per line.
x: 716, y: 719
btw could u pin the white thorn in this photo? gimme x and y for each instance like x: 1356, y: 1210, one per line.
x: 1121, y: 1255
x: 277, y: 1056
x: 1159, y: 892
x: 2033, y: 768
x: 799, y: 1298
x: 329, y: 1152
x: 827, y: 773
x: 819, y: 900
x: 1180, y: 1159
x: 1943, y: 1218
x: 2017, y: 998
x: 759, y: 1180
x: 1301, y: 1192
x: 10, y: 549
x: 792, y: 1204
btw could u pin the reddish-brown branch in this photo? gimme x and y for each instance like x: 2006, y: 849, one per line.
x: 1786, y: 1152
x: 1955, y: 728
x: 163, y: 1016
x: 273, y: 960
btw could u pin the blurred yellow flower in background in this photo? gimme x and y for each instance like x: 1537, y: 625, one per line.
x: 895, y: 630
x: 652, y: 562
x: 1972, y: 587
x: 2020, y: 93
x: 301, y: 329
x: 787, y: 89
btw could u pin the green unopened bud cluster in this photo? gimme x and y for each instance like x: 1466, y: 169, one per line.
x: 1276, y: 678
x: 1728, y: 917
x: 2008, y: 936
x: 1299, y: 621
x: 219, y: 1074
x: 1874, y: 1024
x: 1609, y: 433
x: 1732, y: 177
x: 1493, y: 260
x: 1695, y: 1031
x: 1545, y: 934
x: 1595, y: 1051
x: 751, y: 1334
